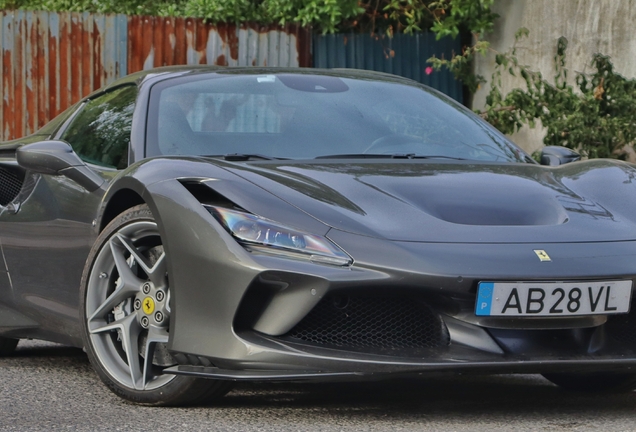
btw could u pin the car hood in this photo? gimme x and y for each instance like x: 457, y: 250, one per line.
x: 464, y: 202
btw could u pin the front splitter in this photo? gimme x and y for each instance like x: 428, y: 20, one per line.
x: 389, y: 371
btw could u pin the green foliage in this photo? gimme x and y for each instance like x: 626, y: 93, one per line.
x: 450, y: 18
x: 444, y: 17
x: 597, y: 116
x: 224, y: 10
x: 473, y: 15
x: 461, y: 65
x: 129, y: 7
x: 325, y: 15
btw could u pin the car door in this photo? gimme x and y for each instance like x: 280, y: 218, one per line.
x: 47, y: 235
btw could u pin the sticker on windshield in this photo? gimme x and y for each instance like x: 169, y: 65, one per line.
x: 266, y: 79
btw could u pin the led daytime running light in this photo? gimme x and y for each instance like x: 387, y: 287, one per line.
x: 267, y: 235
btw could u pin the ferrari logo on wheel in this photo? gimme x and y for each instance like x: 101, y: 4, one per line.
x: 148, y: 305
x: 543, y: 256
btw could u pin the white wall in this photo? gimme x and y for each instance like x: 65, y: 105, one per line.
x: 591, y: 26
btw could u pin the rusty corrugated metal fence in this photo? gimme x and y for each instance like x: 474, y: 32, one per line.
x: 157, y: 41
x: 51, y: 60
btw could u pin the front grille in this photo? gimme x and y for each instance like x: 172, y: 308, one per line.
x: 10, y: 186
x: 391, y: 323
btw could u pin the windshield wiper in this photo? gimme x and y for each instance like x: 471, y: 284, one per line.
x: 385, y: 156
x: 416, y: 156
x: 239, y: 157
x: 364, y: 156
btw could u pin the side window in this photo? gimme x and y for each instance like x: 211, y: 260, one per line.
x: 100, y: 134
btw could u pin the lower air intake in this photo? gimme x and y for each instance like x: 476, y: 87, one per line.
x: 622, y: 328
x: 391, y: 323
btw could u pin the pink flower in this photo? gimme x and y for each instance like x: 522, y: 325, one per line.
x: 428, y: 70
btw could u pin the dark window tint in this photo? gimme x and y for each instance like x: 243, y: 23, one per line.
x: 100, y: 134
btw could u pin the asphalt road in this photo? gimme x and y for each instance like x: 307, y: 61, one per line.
x: 50, y: 387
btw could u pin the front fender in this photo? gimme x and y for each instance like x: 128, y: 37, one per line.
x: 139, y: 177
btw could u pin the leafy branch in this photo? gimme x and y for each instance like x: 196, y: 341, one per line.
x: 597, y: 116
x: 451, y: 17
x: 444, y: 17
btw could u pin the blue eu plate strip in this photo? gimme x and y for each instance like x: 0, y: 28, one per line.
x: 484, y: 298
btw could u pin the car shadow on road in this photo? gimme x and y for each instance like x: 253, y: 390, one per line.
x: 439, y: 396
x: 46, y: 350
x: 433, y: 397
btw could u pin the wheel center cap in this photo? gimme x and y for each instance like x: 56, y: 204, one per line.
x: 148, y: 305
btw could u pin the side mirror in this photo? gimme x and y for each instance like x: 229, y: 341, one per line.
x: 556, y: 155
x: 58, y: 158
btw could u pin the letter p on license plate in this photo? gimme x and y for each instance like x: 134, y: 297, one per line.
x: 553, y: 298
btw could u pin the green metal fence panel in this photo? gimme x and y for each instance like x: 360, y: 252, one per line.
x: 403, y: 55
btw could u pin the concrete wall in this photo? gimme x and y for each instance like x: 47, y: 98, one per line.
x: 591, y: 26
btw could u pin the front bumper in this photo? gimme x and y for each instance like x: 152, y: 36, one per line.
x: 234, y: 310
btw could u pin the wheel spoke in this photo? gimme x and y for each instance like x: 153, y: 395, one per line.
x: 155, y: 336
x: 121, y: 293
x: 125, y: 272
x: 128, y: 285
x: 156, y: 272
x: 120, y: 324
x: 141, y: 260
x: 129, y: 331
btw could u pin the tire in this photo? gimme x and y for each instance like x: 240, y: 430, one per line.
x: 125, y: 308
x: 595, y: 382
x: 7, y: 346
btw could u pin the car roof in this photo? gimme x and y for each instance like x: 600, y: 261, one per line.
x: 167, y: 72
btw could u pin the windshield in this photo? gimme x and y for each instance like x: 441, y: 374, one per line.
x: 299, y: 116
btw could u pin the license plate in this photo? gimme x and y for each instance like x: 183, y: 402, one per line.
x: 553, y: 298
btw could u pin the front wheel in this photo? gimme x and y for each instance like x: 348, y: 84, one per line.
x: 601, y: 382
x: 126, y: 312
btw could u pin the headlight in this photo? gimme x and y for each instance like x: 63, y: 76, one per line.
x: 258, y: 233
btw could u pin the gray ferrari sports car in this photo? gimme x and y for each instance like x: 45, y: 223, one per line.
x: 195, y: 226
